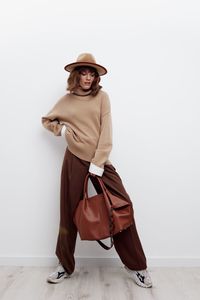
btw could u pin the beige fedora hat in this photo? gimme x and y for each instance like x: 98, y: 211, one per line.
x: 86, y: 59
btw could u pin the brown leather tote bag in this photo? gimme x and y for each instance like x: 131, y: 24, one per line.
x: 103, y: 215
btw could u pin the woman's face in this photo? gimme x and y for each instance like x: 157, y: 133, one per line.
x: 86, y: 79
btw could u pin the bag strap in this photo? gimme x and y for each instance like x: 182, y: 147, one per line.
x: 85, y: 191
x: 104, y: 245
x: 109, y: 207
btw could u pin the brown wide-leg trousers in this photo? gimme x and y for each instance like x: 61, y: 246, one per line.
x: 126, y: 243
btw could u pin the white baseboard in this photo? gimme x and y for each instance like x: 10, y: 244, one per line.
x: 100, y: 261
x: 173, y: 261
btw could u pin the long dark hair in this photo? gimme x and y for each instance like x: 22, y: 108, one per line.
x: 74, y: 78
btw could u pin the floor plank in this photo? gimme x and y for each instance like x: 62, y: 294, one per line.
x: 98, y: 283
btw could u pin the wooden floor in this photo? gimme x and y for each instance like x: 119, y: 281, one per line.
x: 98, y: 283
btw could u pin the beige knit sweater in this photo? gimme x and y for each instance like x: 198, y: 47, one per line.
x: 88, y: 125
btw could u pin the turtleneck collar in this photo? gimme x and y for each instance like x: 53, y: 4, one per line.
x: 80, y: 92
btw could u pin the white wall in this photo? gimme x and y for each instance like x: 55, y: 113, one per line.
x: 151, y: 50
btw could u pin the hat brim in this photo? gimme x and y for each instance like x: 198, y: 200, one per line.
x: 100, y: 69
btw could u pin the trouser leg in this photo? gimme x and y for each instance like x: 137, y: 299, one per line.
x: 73, y: 174
x: 127, y: 242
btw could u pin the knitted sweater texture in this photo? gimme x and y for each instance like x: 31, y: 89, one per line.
x: 88, y: 125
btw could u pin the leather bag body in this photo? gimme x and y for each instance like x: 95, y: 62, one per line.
x: 102, y: 215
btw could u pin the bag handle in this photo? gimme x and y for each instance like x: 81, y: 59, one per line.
x: 109, y: 207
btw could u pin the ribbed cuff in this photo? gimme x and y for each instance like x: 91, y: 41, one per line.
x: 63, y: 130
x: 96, y: 170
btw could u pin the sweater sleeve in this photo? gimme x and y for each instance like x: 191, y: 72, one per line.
x: 51, y: 120
x: 105, y: 139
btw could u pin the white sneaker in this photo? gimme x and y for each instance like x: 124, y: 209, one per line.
x: 142, y: 277
x: 58, y: 275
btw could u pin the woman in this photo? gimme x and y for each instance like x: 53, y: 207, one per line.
x: 83, y: 117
